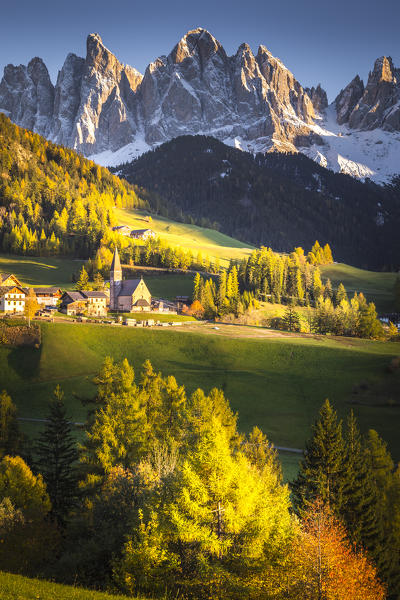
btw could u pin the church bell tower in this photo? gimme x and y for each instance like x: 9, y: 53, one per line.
x: 115, y: 280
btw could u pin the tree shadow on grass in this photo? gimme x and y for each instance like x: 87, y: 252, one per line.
x: 25, y: 361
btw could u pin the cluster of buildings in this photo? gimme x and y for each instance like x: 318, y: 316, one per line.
x: 124, y: 295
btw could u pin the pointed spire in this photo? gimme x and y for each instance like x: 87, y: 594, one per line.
x: 116, y: 263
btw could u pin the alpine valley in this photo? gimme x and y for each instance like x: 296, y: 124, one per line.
x: 112, y: 114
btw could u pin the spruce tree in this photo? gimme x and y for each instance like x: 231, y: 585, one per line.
x: 56, y: 451
x: 321, y: 470
x: 359, y: 491
x: 384, y: 545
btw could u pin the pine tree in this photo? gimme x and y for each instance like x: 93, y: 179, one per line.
x: 291, y: 319
x: 321, y: 470
x: 56, y: 450
x: 83, y: 281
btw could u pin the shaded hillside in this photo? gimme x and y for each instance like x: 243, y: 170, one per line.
x: 275, y: 200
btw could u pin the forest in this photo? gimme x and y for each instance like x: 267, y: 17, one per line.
x: 277, y: 200
x: 163, y: 495
x: 52, y: 200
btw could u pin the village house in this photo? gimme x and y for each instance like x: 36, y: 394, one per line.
x: 142, y: 234
x: 92, y: 304
x: 47, y: 296
x: 12, y: 299
x: 127, y: 295
x: 122, y: 229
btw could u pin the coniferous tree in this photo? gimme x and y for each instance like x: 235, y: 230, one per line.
x: 359, y: 491
x: 56, y: 450
x: 10, y: 435
x: 384, y: 544
x: 83, y: 281
x: 321, y: 470
x: 291, y: 319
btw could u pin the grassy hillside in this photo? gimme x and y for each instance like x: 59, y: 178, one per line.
x: 40, y: 271
x: 277, y: 383
x: 16, y: 587
x: 190, y: 237
x: 377, y: 287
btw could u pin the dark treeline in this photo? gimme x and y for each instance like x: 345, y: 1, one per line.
x: 273, y: 200
x: 164, y: 495
x: 52, y: 200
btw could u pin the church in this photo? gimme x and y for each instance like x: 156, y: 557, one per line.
x: 127, y: 295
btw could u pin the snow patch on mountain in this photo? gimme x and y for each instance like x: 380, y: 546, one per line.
x: 363, y: 154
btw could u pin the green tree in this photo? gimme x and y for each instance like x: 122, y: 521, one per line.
x: 321, y: 470
x: 83, y: 280
x: 291, y: 319
x: 57, y: 455
x: 10, y: 435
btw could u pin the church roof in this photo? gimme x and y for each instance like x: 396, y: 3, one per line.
x: 116, y: 263
x: 128, y: 286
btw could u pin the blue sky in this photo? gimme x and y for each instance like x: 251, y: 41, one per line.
x: 320, y: 41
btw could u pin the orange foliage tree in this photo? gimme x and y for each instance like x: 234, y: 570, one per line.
x: 326, y: 566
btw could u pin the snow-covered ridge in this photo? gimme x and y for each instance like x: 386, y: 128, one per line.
x: 112, y: 114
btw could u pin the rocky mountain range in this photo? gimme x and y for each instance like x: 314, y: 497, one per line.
x: 110, y: 112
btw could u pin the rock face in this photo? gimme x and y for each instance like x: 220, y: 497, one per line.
x: 27, y: 95
x: 347, y: 99
x: 99, y: 104
x: 318, y: 98
x: 376, y: 106
x: 88, y: 108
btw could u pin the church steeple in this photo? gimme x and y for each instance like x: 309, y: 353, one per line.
x: 116, y: 270
x: 115, y: 280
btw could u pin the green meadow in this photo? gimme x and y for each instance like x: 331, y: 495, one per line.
x: 16, y: 587
x: 189, y: 237
x: 377, y: 287
x: 41, y: 271
x: 275, y: 383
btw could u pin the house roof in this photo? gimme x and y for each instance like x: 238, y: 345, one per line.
x: 141, y: 230
x: 93, y: 294
x: 128, y: 286
x: 4, y: 289
x: 47, y: 290
x: 84, y: 295
x: 5, y: 276
x: 75, y: 296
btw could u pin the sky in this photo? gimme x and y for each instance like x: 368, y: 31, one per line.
x: 319, y: 41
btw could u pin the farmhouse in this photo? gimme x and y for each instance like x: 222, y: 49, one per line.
x: 47, y: 296
x: 122, y: 229
x: 12, y: 298
x: 93, y: 304
x: 127, y: 295
x: 142, y: 234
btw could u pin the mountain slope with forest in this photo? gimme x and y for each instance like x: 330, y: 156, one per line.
x: 276, y: 200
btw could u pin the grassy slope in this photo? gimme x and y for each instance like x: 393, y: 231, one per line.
x: 277, y: 384
x: 190, y: 237
x: 40, y: 271
x: 16, y: 587
x: 377, y: 287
